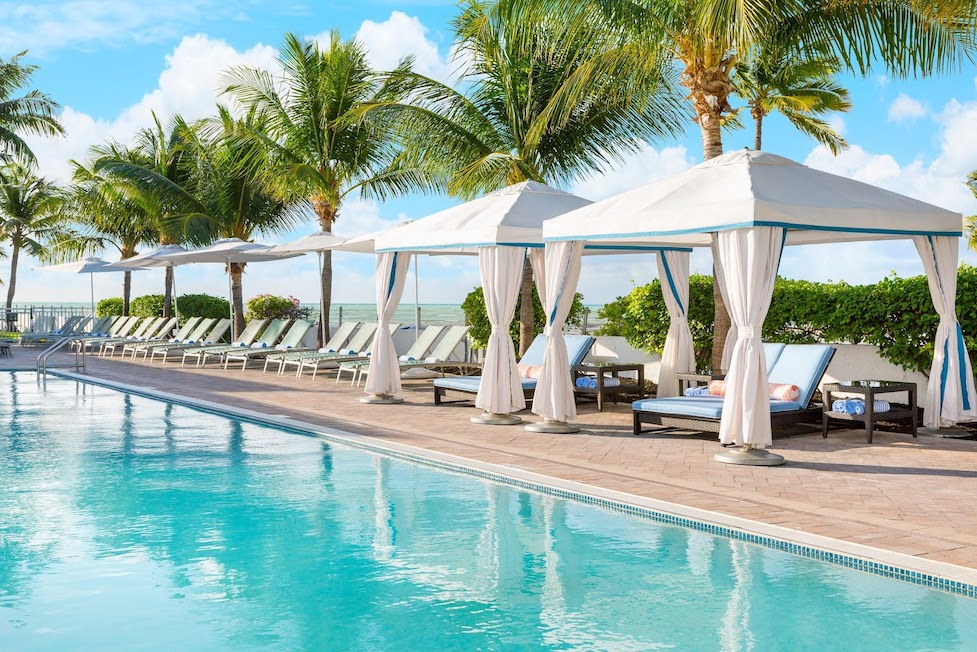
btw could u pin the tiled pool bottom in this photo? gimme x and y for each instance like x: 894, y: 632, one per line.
x: 135, y: 524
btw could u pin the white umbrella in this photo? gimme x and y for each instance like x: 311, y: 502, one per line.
x: 315, y: 243
x: 153, y: 259
x: 227, y: 251
x: 90, y: 266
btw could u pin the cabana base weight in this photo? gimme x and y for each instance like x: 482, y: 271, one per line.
x: 489, y: 419
x: 749, y: 456
x: 381, y: 399
x: 553, y: 427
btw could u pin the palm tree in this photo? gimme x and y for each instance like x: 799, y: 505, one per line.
x: 224, y: 193
x: 542, y: 100
x: 707, y: 38
x: 30, y: 217
x: 109, y: 214
x: 322, y: 155
x: 30, y: 113
x: 800, y: 89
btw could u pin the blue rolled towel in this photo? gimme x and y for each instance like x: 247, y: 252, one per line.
x: 854, y: 406
x: 701, y: 390
x: 839, y: 406
x: 582, y: 382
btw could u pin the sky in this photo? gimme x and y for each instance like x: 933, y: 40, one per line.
x: 111, y: 63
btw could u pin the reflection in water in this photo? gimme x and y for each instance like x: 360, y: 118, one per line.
x: 155, y: 523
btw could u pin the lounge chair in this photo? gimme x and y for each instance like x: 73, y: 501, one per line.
x: 71, y: 326
x: 802, y: 365
x: 200, y: 336
x: 577, y: 348
x: 417, y: 351
x: 146, y: 345
x: 358, y: 348
x: 155, y: 329
x: 272, y: 330
x: 291, y: 340
x: 121, y: 328
x: 335, y: 343
x: 440, y: 358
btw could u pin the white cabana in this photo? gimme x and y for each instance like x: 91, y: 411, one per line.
x: 501, y: 225
x: 156, y: 258
x: 773, y: 201
x: 383, y: 382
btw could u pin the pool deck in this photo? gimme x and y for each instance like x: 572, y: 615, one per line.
x: 900, y: 495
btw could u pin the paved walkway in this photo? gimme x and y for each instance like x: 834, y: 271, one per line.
x: 899, y: 494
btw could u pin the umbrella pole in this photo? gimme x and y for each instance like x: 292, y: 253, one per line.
x: 91, y: 278
x: 230, y: 296
x: 417, y: 304
x: 176, y: 306
x: 323, y: 326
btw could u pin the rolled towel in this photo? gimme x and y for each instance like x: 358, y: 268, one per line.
x: 432, y: 360
x: 839, y: 406
x: 259, y: 345
x: 282, y: 347
x: 854, y: 406
x: 784, y: 392
x: 880, y: 405
x: 701, y: 390
x: 612, y: 382
x: 529, y: 371
x: 347, y: 351
x: 582, y: 382
x: 407, y: 358
x: 238, y: 344
x: 717, y: 388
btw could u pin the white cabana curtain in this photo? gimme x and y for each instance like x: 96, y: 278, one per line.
x: 950, y: 395
x: 391, y: 275
x: 720, y: 278
x: 500, y: 268
x: 750, y: 258
x: 678, y: 356
x: 557, y: 285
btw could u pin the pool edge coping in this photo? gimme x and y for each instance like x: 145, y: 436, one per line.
x: 942, y: 576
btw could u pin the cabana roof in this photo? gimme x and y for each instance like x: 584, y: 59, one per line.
x: 748, y: 188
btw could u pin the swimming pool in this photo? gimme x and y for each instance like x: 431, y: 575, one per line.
x: 130, y: 523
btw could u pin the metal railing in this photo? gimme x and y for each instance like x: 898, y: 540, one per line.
x: 81, y: 359
x: 38, y: 318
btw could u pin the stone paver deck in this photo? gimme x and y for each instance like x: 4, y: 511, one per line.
x: 911, y: 496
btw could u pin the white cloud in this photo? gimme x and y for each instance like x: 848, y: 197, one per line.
x: 837, y: 123
x: 906, y: 109
x: 400, y: 36
x: 44, y: 27
x: 188, y: 86
x: 642, y: 167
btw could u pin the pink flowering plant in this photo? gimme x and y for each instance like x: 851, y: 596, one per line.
x: 270, y: 306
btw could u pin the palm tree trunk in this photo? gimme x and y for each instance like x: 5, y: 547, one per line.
x: 126, y: 291
x: 168, y: 293
x: 326, y: 213
x: 237, y: 296
x: 758, y: 134
x: 712, y: 146
x: 12, y: 281
x: 527, y: 316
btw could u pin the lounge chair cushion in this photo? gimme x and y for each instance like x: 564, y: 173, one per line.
x: 471, y: 383
x: 802, y: 365
x: 706, y: 407
x: 772, y: 351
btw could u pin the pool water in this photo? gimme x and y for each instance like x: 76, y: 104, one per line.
x: 132, y: 524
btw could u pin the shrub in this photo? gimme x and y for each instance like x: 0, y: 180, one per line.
x: 148, y: 305
x: 269, y: 306
x: 203, y: 305
x: 479, y: 327
x: 895, y: 314
x: 109, y: 307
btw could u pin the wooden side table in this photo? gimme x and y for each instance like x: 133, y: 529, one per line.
x: 868, y: 390
x: 601, y: 371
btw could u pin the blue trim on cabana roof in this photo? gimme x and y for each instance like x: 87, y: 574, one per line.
x: 535, y: 245
x: 747, y: 225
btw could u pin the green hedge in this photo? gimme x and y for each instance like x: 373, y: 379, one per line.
x: 479, y: 328
x: 270, y: 306
x: 203, y: 305
x: 148, y: 305
x: 111, y: 307
x: 895, y: 314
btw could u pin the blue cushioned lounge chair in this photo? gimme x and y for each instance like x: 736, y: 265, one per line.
x: 791, y: 364
x: 577, y: 348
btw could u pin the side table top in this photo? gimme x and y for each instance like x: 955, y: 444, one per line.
x: 880, y: 385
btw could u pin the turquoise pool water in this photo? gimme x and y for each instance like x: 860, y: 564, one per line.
x: 132, y: 524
